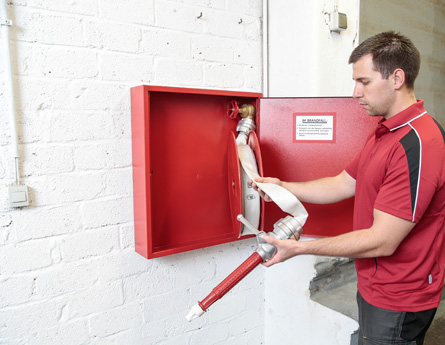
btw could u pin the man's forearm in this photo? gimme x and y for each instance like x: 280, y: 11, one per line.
x: 356, y: 244
x: 381, y: 239
x: 327, y: 190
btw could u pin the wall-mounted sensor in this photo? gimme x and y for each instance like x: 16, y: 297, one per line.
x: 338, y: 21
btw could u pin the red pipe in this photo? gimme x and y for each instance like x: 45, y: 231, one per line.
x: 234, y: 278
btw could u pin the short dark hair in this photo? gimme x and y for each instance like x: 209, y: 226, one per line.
x: 389, y: 51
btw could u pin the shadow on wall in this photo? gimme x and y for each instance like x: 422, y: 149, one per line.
x: 437, y: 64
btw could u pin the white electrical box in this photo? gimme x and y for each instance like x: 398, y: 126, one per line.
x: 338, y: 22
x: 18, y: 196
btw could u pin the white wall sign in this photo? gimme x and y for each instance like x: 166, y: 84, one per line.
x: 314, y: 127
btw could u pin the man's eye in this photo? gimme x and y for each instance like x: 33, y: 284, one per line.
x: 365, y: 82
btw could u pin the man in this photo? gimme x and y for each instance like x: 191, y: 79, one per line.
x: 398, y: 181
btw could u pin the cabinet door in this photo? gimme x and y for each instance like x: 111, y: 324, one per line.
x: 308, y: 138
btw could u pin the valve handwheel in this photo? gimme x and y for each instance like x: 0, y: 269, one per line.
x: 232, y: 109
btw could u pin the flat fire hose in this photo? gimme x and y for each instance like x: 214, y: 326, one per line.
x: 281, y: 196
x: 283, y: 229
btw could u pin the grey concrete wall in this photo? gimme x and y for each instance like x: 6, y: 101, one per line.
x: 424, y: 22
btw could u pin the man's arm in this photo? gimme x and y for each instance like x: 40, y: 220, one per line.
x: 327, y: 190
x: 381, y: 239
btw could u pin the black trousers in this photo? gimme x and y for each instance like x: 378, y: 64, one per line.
x: 384, y: 327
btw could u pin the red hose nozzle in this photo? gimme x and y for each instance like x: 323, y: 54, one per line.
x: 226, y: 285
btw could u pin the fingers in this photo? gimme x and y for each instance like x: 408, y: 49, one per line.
x: 285, y: 249
x: 260, y: 192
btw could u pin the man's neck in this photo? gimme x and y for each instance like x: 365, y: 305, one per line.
x: 403, y: 100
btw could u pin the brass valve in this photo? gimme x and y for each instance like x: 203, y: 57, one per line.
x: 247, y: 111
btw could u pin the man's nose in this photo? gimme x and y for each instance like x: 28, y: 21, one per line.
x: 357, y: 93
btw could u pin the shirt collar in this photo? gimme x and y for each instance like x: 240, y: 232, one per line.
x: 400, y: 119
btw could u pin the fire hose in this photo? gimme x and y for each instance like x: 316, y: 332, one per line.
x: 285, y: 228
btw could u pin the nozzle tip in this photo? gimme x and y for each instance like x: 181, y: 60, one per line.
x: 195, y: 312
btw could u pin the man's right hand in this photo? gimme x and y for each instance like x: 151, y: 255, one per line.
x: 264, y: 180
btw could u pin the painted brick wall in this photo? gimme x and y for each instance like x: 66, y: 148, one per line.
x: 68, y: 270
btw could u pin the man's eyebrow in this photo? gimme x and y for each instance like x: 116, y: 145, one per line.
x: 360, y: 78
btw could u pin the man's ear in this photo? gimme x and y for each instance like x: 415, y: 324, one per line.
x: 399, y: 78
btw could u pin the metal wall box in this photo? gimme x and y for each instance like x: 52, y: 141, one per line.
x: 180, y: 179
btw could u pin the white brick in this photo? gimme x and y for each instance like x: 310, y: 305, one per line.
x: 254, y: 337
x: 254, y: 316
x: 224, y: 24
x: 164, y: 43
x: 5, y: 135
x: 112, y: 36
x: 89, y: 95
x: 33, y: 126
x: 218, y: 4
x: 46, y: 222
x: 252, y: 29
x: 80, y: 126
x: 65, y: 278
x: 86, y: 7
x: 115, y: 320
x: 19, y: 340
x: 190, y: 270
x: 70, y: 63
x: 6, y: 162
x: 28, y: 319
x: 148, y: 284
x: 15, y: 290
x: 240, y: 340
x: 151, y: 333
x: 95, y: 299
x: 210, y: 335
x: 42, y: 160
x: 174, y: 72
x: 123, y: 264
x: 122, y: 125
x: 179, y: 17
x: 248, y: 53
x: 135, y: 11
x: 89, y: 243
x: 56, y: 189
x: 230, y: 76
x: 115, y: 66
x: 66, y: 333
x: 252, y: 8
x: 177, y: 324
x: 179, y: 340
x: 118, y: 182
x: 107, y: 212
x: 22, y: 54
x: 25, y: 256
x: 253, y: 77
x: 36, y: 26
x: 41, y: 94
x: 126, y: 237
x: 166, y: 305
x: 104, y: 155
x: 7, y: 231
x: 212, y: 49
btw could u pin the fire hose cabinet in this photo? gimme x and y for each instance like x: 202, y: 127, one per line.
x: 185, y: 169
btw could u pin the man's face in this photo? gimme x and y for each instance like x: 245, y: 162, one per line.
x: 374, y: 94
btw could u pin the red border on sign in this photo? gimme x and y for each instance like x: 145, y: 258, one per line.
x: 334, y: 134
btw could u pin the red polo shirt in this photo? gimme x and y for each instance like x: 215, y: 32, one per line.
x: 401, y: 171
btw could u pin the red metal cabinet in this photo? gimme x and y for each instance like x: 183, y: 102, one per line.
x: 181, y: 199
